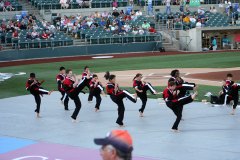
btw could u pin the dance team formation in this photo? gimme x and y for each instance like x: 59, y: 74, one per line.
x: 176, y: 94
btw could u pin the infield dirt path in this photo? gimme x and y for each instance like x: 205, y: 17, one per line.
x: 159, y: 77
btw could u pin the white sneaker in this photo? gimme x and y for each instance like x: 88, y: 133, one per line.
x: 208, y: 94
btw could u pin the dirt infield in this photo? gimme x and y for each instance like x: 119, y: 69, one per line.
x: 159, y: 77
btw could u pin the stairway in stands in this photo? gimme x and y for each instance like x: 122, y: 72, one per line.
x: 31, y: 9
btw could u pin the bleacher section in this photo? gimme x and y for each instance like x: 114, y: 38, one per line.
x: 59, y: 39
x: 211, y: 20
x: 101, y: 36
x: 54, y: 4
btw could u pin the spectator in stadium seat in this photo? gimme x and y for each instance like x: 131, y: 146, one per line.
x: 28, y: 35
x: 141, y: 31
x: 102, y: 23
x: 8, y: 5
x: 97, y: 14
x: 115, y: 29
x: 139, y: 13
x: 201, y: 15
x: 200, y: 10
x: 35, y: 26
x: 115, y: 13
x: 127, y: 27
x: 145, y: 26
x: 152, y: 30
x: 115, y: 5
x: 64, y: 4
x: 31, y: 20
x: 135, y: 31
x: 34, y: 34
x: 22, y: 26
x: 15, y: 34
x: 133, y: 16
x: 80, y: 3
x: 186, y: 20
x: 199, y: 24
x: 2, y: 6
x: 193, y: 19
x: 105, y: 14
x: 214, y: 10
x: 44, y: 35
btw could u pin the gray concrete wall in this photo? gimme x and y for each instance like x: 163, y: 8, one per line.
x: 78, y: 50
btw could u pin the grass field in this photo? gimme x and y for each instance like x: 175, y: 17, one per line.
x: 16, y: 85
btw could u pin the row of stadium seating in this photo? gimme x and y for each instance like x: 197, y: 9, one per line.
x: 15, y: 4
x: 126, y: 38
x: 100, y: 30
x: 54, y: 4
x: 212, y: 20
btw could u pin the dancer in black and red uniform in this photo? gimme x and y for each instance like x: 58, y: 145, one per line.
x: 84, y: 74
x: 73, y: 87
x: 173, y: 101
x: 33, y: 85
x: 228, y: 95
x: 96, y: 89
x: 60, y: 78
x: 230, y: 92
x: 181, y: 85
x: 141, y: 89
x: 117, y: 95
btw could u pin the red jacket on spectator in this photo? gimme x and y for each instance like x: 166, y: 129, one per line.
x: 45, y: 36
x: 15, y: 34
x: 152, y: 30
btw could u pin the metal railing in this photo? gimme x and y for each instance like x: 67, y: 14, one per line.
x: 124, y: 39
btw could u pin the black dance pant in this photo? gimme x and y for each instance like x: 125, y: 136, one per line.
x: 177, y: 108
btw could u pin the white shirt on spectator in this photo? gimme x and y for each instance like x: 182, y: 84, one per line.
x: 79, y: 1
x: 150, y: 2
x: 168, y: 2
x: 127, y: 27
x: 201, y: 10
x: 34, y: 34
x: 139, y: 13
x: 198, y: 25
x: 89, y: 23
x: 63, y: 1
x: 193, y: 20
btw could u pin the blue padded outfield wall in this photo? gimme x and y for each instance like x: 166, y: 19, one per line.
x: 78, y: 50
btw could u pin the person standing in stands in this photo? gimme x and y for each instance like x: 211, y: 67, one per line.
x: 84, y: 74
x: 96, y: 89
x: 73, y: 87
x: 33, y: 86
x: 118, y: 145
x: 141, y: 89
x: 117, y: 95
x: 60, y: 78
x: 173, y: 101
